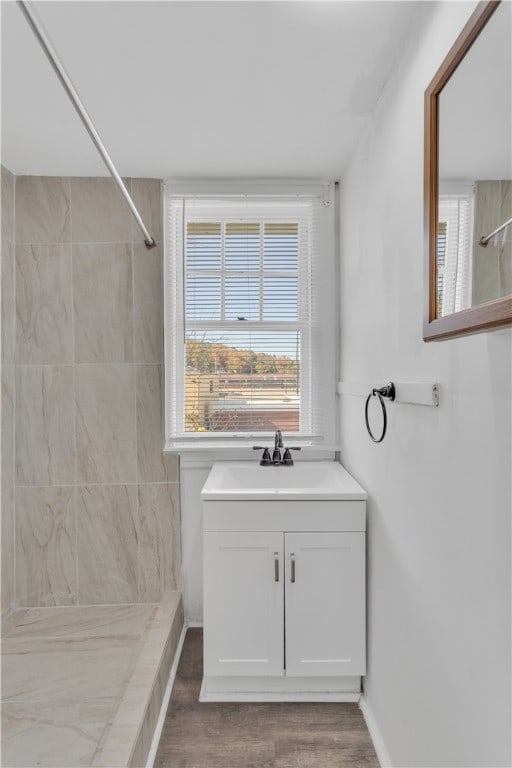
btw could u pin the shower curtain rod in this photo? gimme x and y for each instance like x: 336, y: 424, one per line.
x: 485, y: 240
x: 61, y: 73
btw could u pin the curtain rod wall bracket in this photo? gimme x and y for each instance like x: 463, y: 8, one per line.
x: 68, y: 86
x: 485, y: 240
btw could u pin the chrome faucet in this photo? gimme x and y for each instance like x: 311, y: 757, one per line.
x: 278, y: 443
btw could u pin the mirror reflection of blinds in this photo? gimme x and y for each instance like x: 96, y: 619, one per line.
x: 248, y: 310
x: 441, y: 259
x: 454, y: 254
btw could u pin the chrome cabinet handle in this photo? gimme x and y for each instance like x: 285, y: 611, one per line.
x: 292, y: 560
x: 276, y: 566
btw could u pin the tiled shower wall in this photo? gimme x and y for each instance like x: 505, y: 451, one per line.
x: 492, y: 266
x: 96, y: 512
x: 7, y: 404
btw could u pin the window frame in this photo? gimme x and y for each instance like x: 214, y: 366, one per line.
x: 174, y: 305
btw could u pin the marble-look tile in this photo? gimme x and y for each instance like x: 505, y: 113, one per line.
x: 107, y: 544
x: 171, y: 611
x: 67, y: 669
x: 55, y: 736
x: 10, y: 621
x: 44, y: 425
x: 505, y: 249
x: 505, y: 201
x: 176, y: 629
x: 7, y: 492
x: 159, y: 540
x: 7, y: 299
x: 103, y: 302
x: 506, y: 269
x: 99, y: 212
x: 153, y: 660
x: 7, y: 550
x: 42, y: 210
x: 148, y: 314
x: 87, y: 699
x: 486, y: 273
x: 83, y: 621
x: 105, y: 424
x: 7, y: 213
x: 143, y: 744
x: 43, y: 304
x: 154, y: 466
x: 7, y: 426
x: 486, y: 261
x: 129, y: 738
x: 117, y: 748
x: 45, y: 546
x: 147, y: 196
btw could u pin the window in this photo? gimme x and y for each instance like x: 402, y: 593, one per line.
x: 249, y: 326
x: 454, y: 248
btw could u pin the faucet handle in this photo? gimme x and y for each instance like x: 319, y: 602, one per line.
x: 287, y: 457
x: 265, y: 459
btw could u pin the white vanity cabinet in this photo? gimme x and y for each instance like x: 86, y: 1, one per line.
x: 284, y: 599
x: 325, y: 606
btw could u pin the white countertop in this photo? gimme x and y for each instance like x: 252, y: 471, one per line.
x: 305, y: 480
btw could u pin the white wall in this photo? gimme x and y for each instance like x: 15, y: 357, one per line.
x: 193, y: 474
x: 438, y: 684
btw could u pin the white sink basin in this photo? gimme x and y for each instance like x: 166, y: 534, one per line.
x: 304, y: 480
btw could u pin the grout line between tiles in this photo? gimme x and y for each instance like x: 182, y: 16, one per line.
x: 130, y: 180
x: 89, y: 605
x: 75, y: 636
x: 92, y: 485
x: 14, y: 311
x: 75, y: 505
x: 135, y: 413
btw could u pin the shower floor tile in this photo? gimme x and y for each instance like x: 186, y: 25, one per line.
x: 61, y: 735
x: 53, y: 669
x: 72, y: 676
x: 86, y: 621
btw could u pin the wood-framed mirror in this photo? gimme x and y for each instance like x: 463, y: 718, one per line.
x: 468, y: 181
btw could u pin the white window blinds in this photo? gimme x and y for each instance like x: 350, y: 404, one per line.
x: 245, y: 303
x: 454, y: 252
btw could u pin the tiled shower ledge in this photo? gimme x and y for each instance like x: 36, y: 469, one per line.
x: 83, y: 686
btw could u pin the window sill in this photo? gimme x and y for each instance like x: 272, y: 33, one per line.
x: 242, y: 451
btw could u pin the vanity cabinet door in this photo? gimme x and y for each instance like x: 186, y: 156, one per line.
x: 325, y: 599
x: 243, y: 603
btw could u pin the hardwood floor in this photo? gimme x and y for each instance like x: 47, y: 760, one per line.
x: 283, y: 735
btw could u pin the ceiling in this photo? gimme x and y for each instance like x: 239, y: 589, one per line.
x: 198, y: 89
